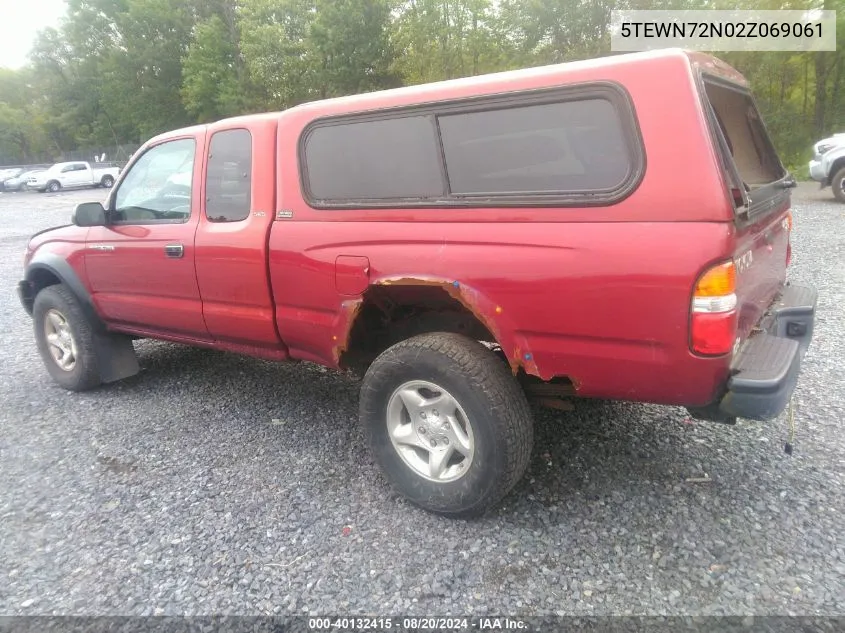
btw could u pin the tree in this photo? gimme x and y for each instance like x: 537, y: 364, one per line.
x: 553, y: 31
x: 142, y: 76
x: 212, y: 79
x: 350, y: 46
x: 274, y: 45
x: 444, y: 39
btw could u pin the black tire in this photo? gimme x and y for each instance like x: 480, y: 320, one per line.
x: 53, y: 186
x: 494, y: 404
x: 107, y: 181
x: 84, y: 374
x: 838, y: 185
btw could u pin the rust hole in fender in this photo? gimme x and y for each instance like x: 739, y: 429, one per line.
x: 396, y: 308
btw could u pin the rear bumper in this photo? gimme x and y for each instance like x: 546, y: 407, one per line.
x: 765, y: 372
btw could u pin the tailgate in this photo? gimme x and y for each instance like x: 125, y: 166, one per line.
x: 761, y: 257
x: 761, y: 191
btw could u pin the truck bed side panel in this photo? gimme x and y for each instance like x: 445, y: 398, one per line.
x: 560, y: 300
x: 599, y: 294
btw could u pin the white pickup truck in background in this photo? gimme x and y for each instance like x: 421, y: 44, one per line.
x: 828, y: 164
x: 71, y: 175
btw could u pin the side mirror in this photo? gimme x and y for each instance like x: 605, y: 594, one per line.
x: 89, y: 214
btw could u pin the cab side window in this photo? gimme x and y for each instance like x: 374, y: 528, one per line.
x: 228, y: 184
x: 158, y: 187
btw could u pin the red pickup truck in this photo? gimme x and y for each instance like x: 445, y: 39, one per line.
x: 616, y: 228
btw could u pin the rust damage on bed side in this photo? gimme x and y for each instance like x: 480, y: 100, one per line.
x: 551, y: 390
x: 465, y: 295
x: 343, y: 327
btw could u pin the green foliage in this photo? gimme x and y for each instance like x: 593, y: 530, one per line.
x: 349, y: 46
x: 21, y: 136
x: 548, y: 32
x: 274, y: 46
x: 445, y: 39
x: 119, y: 71
x: 212, y: 72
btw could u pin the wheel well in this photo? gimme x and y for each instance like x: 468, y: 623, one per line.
x: 40, y: 278
x: 390, y: 314
x: 37, y: 279
x: 838, y: 164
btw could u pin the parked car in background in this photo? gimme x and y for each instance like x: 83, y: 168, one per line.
x: 18, y: 183
x: 73, y: 175
x: 6, y: 174
x: 828, y: 164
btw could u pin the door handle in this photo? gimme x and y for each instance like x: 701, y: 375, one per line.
x: 174, y: 250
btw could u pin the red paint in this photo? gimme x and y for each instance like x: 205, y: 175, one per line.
x: 601, y: 294
x: 231, y: 257
x: 352, y: 274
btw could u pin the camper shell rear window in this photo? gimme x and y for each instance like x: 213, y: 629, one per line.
x: 750, y: 160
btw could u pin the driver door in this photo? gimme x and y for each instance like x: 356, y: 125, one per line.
x: 140, y: 266
x: 78, y: 175
x: 67, y: 176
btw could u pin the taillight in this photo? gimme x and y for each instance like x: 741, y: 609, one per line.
x: 713, y: 323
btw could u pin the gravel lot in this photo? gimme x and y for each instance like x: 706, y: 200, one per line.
x: 212, y: 483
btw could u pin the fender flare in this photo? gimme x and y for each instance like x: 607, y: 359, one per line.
x: 513, y: 343
x: 58, y: 267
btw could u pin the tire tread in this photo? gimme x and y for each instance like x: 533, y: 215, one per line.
x: 510, y: 412
x: 836, y: 183
x: 61, y: 297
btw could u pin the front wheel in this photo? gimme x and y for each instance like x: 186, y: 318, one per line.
x: 447, y: 423
x: 838, y: 185
x: 65, y: 339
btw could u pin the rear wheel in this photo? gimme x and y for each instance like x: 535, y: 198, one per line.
x: 838, y: 185
x: 65, y: 339
x: 107, y: 181
x: 447, y: 423
x: 53, y: 186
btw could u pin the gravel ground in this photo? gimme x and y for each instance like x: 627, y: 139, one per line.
x: 212, y: 483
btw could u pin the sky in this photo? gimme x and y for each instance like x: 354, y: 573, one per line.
x: 19, y: 23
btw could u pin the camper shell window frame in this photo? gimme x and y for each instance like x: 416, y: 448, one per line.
x: 763, y: 198
x: 613, y: 92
